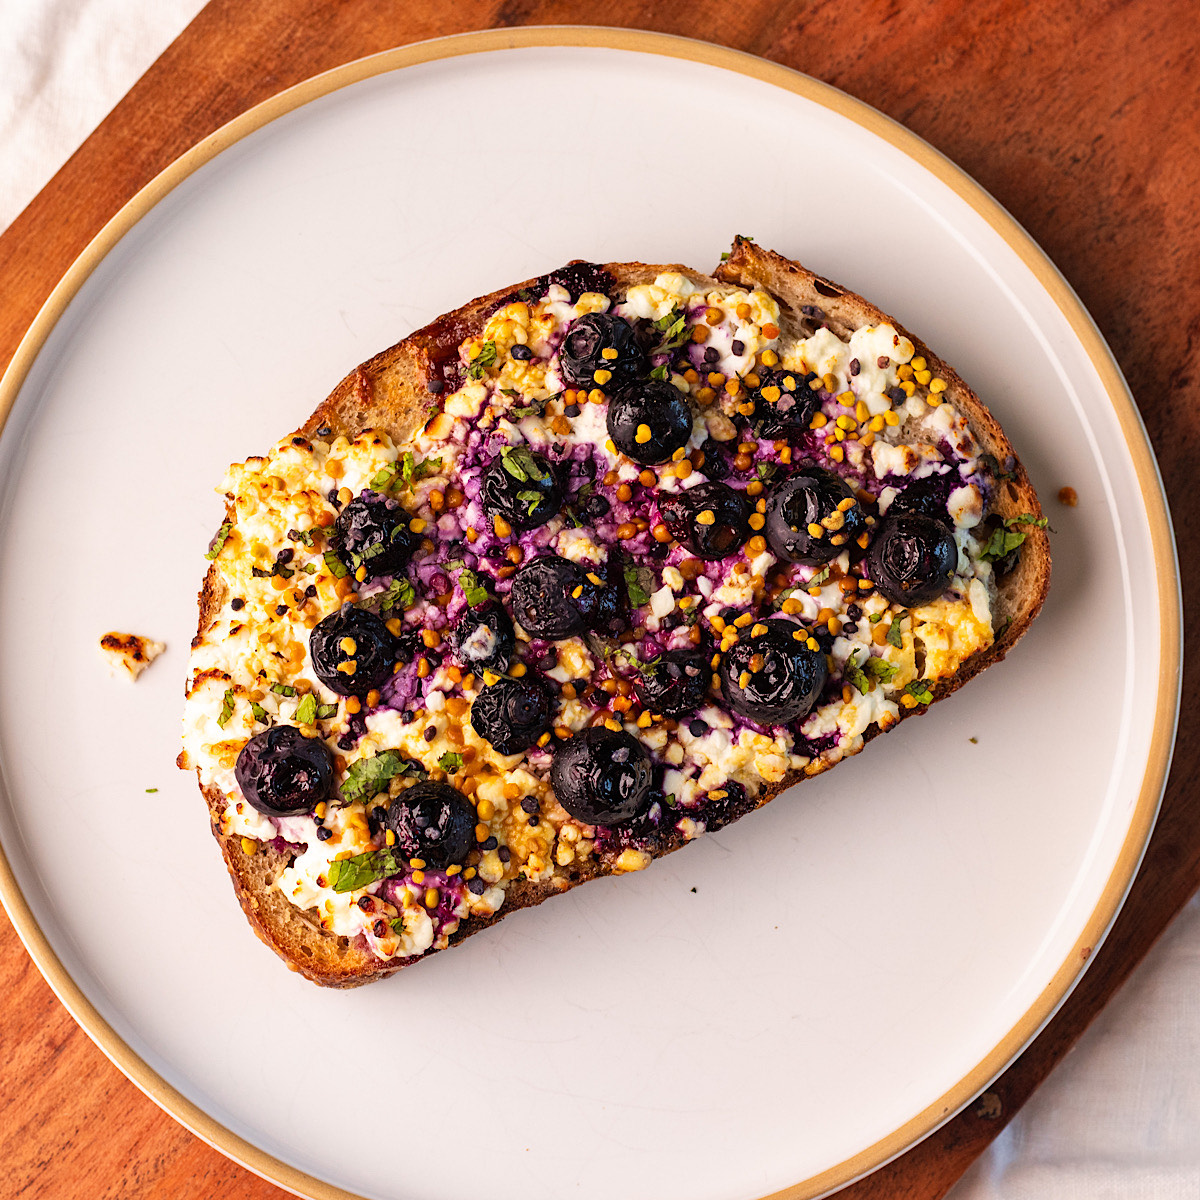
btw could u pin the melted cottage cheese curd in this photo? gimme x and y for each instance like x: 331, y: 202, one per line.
x: 879, y: 421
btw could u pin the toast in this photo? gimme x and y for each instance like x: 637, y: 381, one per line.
x: 596, y: 751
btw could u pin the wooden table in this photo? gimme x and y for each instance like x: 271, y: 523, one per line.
x: 1079, y: 115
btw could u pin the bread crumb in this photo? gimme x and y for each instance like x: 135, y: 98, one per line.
x: 130, y: 652
x: 1068, y: 496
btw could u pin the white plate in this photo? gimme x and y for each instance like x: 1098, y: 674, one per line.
x: 779, y: 1006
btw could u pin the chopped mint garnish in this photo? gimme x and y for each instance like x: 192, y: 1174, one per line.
x: 397, y: 924
x: 368, y: 776
x: 220, y: 540
x: 875, y: 618
x: 1006, y: 538
x: 519, y: 462
x: 473, y: 589
x: 306, y: 710
x: 383, y: 479
x: 350, y: 874
x: 336, y: 567
x: 325, y: 711
x: 226, y: 708
x: 258, y: 712
x: 854, y: 675
x: 450, y: 762
x: 879, y: 668
x: 149, y: 790
x: 531, y: 500
x: 484, y: 359
x: 920, y: 691
x: 819, y: 578
x: 659, y: 373
x: 398, y: 594
x: 639, y: 580
x: 767, y: 471
x: 283, y: 689
x: 895, y: 635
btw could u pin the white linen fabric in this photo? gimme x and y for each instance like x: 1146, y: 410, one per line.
x: 1120, y: 1117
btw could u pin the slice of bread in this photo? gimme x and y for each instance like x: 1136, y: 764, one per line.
x: 399, y: 389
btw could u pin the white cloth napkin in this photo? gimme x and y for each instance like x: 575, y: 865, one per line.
x: 1120, y: 1117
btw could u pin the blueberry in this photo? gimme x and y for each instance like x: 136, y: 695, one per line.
x: 582, y: 352
x: 352, y: 651
x: 912, y: 559
x: 522, y: 487
x: 554, y: 598
x: 649, y: 421
x: 512, y: 714
x: 783, y: 409
x: 483, y: 640
x: 814, y: 497
x: 372, y: 532
x: 282, y: 773
x: 601, y: 776
x: 715, y: 466
x: 711, y: 520
x: 924, y: 498
x: 775, y: 677
x: 676, y: 683
x: 433, y: 821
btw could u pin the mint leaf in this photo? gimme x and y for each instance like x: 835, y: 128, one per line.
x: 450, y: 762
x: 659, y: 373
x: 531, y: 500
x: 427, y: 466
x: 384, y: 478
x: 398, y: 594
x: 283, y: 689
x: 819, y: 578
x: 1005, y: 539
x: 325, y: 711
x: 484, y: 359
x: 639, y: 581
x: 258, y: 713
x: 334, y: 565
x: 407, y: 465
x: 853, y: 675
x: 222, y: 537
x: 368, y: 776
x: 520, y: 463
x: 766, y: 471
x: 306, y: 710
x: 397, y: 924
x: 879, y: 668
x: 226, y: 708
x: 919, y: 690
x: 895, y: 635
x: 473, y: 589
x: 350, y: 874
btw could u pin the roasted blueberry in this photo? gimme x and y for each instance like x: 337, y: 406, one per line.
x: 813, y: 516
x: 784, y: 404
x: 773, y: 677
x: 923, y: 498
x: 601, y: 776
x: 649, y: 420
x: 282, y: 773
x: 583, y: 352
x: 711, y: 520
x: 434, y: 822
x: 372, y: 532
x: 554, y: 598
x: 912, y: 559
x: 675, y: 683
x: 715, y: 466
x: 522, y: 487
x: 483, y: 641
x: 512, y: 714
x: 352, y: 651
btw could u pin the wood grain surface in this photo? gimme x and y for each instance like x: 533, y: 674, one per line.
x: 1079, y: 115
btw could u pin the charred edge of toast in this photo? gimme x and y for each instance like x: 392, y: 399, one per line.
x: 390, y: 392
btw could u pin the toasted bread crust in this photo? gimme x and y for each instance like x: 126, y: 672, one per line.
x: 391, y: 392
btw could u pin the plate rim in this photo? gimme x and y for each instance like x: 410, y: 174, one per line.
x: 1137, y: 443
